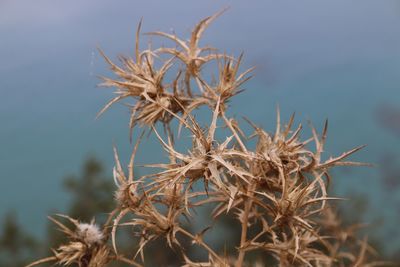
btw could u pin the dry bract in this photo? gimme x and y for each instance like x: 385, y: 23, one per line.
x: 276, y: 189
x: 86, y: 246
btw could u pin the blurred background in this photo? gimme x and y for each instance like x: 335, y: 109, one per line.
x: 321, y: 59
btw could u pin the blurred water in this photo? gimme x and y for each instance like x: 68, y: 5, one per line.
x: 339, y: 61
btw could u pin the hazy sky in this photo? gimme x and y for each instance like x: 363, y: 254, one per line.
x: 286, y: 36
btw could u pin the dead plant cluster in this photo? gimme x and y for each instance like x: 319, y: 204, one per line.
x: 278, y: 185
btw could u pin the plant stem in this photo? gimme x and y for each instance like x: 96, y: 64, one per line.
x: 109, y: 219
x: 200, y: 242
x: 243, y: 237
x: 229, y: 124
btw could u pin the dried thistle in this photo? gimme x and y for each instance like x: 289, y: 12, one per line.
x: 190, y: 53
x: 276, y: 190
x: 86, y: 245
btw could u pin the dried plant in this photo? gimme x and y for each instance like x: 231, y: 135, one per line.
x: 279, y: 187
x: 86, y: 247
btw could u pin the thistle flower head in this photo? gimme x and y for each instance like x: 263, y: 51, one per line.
x: 190, y: 52
x: 127, y: 196
x: 85, y: 246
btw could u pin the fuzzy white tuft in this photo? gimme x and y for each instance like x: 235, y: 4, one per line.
x: 89, y: 233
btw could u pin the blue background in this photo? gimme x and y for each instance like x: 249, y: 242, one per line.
x: 322, y: 59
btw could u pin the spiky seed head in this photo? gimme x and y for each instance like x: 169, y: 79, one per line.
x: 127, y: 196
x: 173, y: 193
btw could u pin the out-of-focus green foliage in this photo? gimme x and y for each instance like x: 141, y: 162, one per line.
x: 91, y: 194
x: 16, y: 245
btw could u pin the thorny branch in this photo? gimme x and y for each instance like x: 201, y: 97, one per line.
x: 279, y: 187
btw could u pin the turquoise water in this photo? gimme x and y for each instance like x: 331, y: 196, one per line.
x: 307, y: 63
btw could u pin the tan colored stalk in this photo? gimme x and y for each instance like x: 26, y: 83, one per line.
x: 244, y: 227
x: 237, y: 137
x: 199, y: 240
x: 243, y: 236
